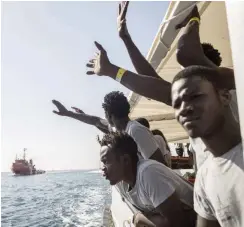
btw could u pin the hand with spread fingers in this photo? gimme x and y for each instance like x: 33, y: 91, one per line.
x: 121, y: 20
x: 193, y: 13
x: 100, y: 64
x: 62, y: 111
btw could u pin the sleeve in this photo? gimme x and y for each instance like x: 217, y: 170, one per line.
x: 202, y: 205
x: 145, y: 141
x: 161, y: 143
x: 156, y: 184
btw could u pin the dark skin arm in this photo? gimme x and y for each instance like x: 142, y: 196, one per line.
x: 171, y: 208
x: 202, y: 222
x: 80, y: 116
x: 161, y: 89
x: 190, y: 52
x: 156, y: 220
x: 101, y: 65
x: 140, y: 63
x: 157, y: 156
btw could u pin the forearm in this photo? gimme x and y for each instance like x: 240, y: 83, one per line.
x: 228, y: 78
x: 142, y: 85
x: 88, y: 119
x: 104, y: 130
x: 140, y: 63
x: 151, y: 220
x: 142, y: 220
x: 189, y: 49
x: 158, y: 156
x: 190, y: 52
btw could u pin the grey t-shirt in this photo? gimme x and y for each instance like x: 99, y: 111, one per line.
x: 155, y: 183
x: 219, y: 188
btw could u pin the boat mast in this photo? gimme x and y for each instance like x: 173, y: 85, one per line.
x: 24, y: 153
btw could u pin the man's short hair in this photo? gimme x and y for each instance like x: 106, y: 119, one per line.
x: 210, y: 74
x: 121, y: 143
x: 211, y: 53
x: 116, y: 104
x: 143, y: 121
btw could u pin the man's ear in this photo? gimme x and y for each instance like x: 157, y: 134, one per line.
x: 126, y: 159
x: 225, y: 96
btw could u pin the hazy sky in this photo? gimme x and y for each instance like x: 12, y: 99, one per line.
x: 45, y: 47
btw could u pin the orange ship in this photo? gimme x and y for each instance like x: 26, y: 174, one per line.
x: 23, y: 167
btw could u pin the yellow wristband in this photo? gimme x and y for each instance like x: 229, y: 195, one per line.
x: 120, y: 74
x: 195, y: 19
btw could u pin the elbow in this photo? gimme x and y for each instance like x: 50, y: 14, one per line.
x: 181, y: 57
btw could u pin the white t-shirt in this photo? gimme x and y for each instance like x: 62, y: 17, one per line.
x: 143, y: 137
x: 154, y: 184
x: 201, y: 152
x: 162, y: 146
x: 219, y: 189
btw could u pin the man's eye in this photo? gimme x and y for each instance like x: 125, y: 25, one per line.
x: 196, y: 96
x: 176, y: 105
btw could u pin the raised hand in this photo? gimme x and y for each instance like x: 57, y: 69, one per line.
x: 193, y: 13
x: 77, y: 110
x: 100, y: 64
x: 62, y: 111
x: 121, y: 20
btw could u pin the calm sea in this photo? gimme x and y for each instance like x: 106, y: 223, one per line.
x: 74, y: 198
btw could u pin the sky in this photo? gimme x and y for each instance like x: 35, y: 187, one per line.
x: 45, y: 48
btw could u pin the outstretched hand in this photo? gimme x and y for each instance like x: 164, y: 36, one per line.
x: 193, y: 13
x: 62, y: 111
x: 100, y: 64
x: 121, y: 20
x: 77, y: 110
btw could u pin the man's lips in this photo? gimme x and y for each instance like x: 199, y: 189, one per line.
x: 105, y: 175
x: 191, y: 120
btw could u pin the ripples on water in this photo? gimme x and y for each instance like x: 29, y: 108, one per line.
x: 75, y: 198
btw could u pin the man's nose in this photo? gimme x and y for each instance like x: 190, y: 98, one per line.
x: 186, y: 109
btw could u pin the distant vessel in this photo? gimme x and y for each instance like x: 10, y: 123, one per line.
x: 23, y: 167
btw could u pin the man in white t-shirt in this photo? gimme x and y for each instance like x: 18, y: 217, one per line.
x: 190, y: 51
x: 117, y: 108
x: 202, y: 107
x: 157, y: 191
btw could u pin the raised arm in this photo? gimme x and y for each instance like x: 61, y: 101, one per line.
x: 140, y: 84
x: 81, y: 116
x: 190, y: 51
x: 140, y: 63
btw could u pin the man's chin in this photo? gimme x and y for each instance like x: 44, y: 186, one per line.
x: 112, y: 182
x: 193, y: 133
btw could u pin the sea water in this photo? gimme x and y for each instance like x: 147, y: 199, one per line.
x: 71, y: 198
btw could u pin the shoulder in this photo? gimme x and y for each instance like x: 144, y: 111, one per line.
x: 149, y: 170
x: 158, y: 138
x: 148, y: 167
x: 137, y: 130
x: 134, y: 125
